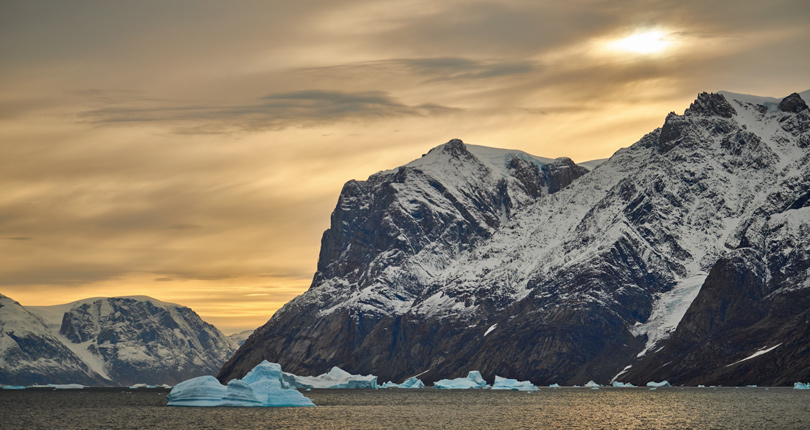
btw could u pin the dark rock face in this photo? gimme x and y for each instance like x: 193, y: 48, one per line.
x: 535, y: 270
x: 792, y: 103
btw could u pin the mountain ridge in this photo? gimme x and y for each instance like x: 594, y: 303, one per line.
x: 577, y: 283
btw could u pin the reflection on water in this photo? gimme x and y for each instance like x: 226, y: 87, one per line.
x: 566, y: 408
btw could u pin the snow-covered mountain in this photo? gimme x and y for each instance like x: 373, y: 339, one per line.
x: 31, y: 354
x: 476, y: 258
x: 114, y: 341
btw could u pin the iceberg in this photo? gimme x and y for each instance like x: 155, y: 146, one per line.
x: 622, y: 384
x: 200, y: 391
x: 513, y: 384
x: 13, y: 387
x: 592, y: 384
x: 554, y: 386
x: 412, y: 382
x: 335, y: 378
x: 658, y: 384
x: 473, y: 380
x: 61, y: 386
x: 263, y: 386
x: 801, y: 386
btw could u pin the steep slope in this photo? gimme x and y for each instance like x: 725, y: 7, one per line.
x: 568, y: 286
x: 31, y: 354
x: 132, y: 340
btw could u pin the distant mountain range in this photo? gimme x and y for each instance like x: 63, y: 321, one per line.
x: 685, y: 256
x: 107, y: 341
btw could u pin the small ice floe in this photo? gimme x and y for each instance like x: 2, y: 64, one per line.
x: 554, y: 386
x: 136, y: 386
x: 592, y: 384
x: 262, y: 386
x: 658, y: 384
x: 61, y: 386
x: 472, y: 381
x: 335, y: 378
x: 801, y: 385
x: 513, y: 384
x: 13, y: 387
x: 618, y: 384
x: 412, y: 382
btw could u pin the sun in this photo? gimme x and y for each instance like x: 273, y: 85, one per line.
x: 647, y: 42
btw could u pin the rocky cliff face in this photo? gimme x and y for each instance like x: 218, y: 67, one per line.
x: 111, y: 341
x: 474, y: 258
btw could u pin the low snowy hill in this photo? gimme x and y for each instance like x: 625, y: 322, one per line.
x: 475, y: 258
x: 122, y: 341
x: 241, y: 337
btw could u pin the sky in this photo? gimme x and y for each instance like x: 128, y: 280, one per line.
x: 193, y: 150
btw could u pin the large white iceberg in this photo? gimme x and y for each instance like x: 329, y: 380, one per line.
x: 412, y: 382
x: 473, y: 380
x: 801, y: 386
x: 513, y: 384
x: 335, y: 378
x: 263, y: 386
x: 658, y: 384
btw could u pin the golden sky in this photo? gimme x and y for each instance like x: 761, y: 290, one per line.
x: 193, y: 150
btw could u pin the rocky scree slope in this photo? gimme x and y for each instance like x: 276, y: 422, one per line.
x: 462, y: 260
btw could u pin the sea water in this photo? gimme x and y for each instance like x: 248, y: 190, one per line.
x: 564, y: 408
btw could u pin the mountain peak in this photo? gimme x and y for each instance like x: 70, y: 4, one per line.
x: 713, y: 104
x: 792, y: 103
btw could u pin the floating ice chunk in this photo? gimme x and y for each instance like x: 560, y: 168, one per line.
x: 701, y: 386
x: 262, y: 386
x: 270, y: 372
x: 473, y: 380
x: 554, y: 386
x: 513, y: 384
x: 801, y: 386
x: 13, y: 387
x: 240, y: 393
x: 412, y: 382
x: 61, y: 386
x: 200, y: 391
x: 592, y: 384
x: 622, y: 384
x: 658, y: 384
x: 335, y: 378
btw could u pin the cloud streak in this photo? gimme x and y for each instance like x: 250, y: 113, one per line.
x: 274, y: 111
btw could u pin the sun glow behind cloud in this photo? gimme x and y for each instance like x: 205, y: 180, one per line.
x: 646, y: 42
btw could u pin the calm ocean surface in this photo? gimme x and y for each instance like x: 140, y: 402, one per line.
x: 565, y: 408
